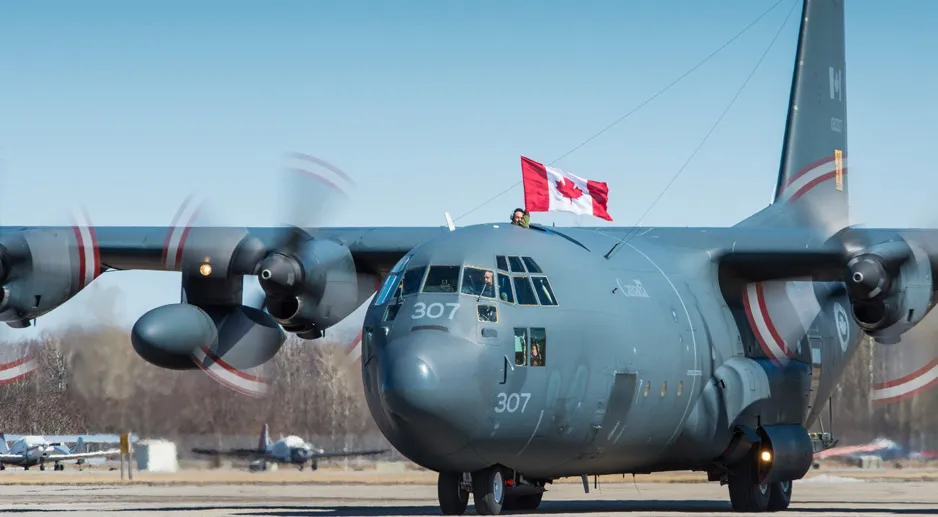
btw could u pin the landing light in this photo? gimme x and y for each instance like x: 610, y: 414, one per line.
x: 205, y: 269
x: 766, y: 456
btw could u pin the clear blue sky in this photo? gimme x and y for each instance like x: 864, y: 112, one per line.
x: 126, y: 107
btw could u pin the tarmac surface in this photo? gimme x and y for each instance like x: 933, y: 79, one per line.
x: 821, y: 495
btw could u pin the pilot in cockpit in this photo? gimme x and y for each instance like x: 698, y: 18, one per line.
x: 473, y: 285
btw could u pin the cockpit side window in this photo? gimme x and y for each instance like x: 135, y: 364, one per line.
x: 531, y: 265
x: 504, y: 289
x: 515, y: 263
x: 392, y: 282
x: 544, y: 293
x: 521, y: 347
x: 412, y: 279
x: 524, y: 291
x: 538, y: 346
x: 442, y: 279
x: 478, y: 282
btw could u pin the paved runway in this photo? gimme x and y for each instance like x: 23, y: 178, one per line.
x: 825, y: 497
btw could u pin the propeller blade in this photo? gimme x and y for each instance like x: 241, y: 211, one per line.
x: 780, y: 313
x: 25, y: 364
x: 904, y: 369
x: 197, y: 211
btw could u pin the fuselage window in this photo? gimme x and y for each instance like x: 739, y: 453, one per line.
x: 501, y: 262
x: 521, y: 347
x: 516, y: 266
x: 504, y: 289
x: 531, y: 265
x: 478, y: 282
x: 412, y: 279
x: 544, y: 293
x: 538, y: 346
x: 524, y: 291
x: 442, y: 279
x: 487, y: 313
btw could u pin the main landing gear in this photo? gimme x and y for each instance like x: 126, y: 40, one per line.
x: 747, y: 494
x: 491, y: 492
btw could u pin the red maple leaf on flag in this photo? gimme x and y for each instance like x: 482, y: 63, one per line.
x: 568, y: 189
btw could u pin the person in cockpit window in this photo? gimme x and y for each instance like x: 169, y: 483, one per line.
x: 536, y: 358
x: 488, y: 288
x: 520, y: 217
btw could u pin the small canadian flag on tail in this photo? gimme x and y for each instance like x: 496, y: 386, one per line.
x: 547, y: 189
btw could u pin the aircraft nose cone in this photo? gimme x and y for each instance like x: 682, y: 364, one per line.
x: 428, y: 388
x: 408, y: 389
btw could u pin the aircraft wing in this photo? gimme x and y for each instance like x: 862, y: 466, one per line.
x: 10, y: 457
x: 343, y: 454
x: 247, y: 454
x: 83, y: 455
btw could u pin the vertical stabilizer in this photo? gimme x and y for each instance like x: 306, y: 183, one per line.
x: 4, y: 448
x: 264, y: 440
x: 79, y: 446
x: 811, y: 189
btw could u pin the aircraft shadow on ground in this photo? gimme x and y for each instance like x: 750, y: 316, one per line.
x: 585, y: 507
x: 547, y: 508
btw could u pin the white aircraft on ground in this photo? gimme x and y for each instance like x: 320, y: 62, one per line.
x: 31, y: 450
x: 291, y: 450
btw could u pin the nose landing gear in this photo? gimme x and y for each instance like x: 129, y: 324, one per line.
x: 491, y: 492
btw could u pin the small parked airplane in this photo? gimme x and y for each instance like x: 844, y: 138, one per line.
x: 31, y: 450
x: 290, y: 449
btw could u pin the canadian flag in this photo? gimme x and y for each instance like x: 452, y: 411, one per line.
x: 548, y: 189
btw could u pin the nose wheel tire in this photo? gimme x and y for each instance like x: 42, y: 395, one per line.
x: 488, y: 490
x: 453, y: 492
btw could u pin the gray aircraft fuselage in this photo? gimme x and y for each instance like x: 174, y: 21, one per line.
x: 630, y: 349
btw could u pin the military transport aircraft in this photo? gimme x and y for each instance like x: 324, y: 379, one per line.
x: 291, y: 449
x: 709, y: 349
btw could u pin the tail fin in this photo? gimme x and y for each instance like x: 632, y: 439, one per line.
x: 79, y: 446
x: 264, y: 440
x: 4, y: 448
x: 812, y: 181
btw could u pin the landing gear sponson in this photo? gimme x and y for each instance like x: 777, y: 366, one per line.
x: 493, y: 489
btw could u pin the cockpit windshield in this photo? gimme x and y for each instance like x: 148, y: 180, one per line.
x: 442, y: 279
x: 515, y: 280
x: 478, y: 282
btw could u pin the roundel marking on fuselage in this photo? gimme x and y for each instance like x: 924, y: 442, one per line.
x: 842, y: 324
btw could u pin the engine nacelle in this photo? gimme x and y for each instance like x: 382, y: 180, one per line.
x: 330, y: 290
x: 168, y: 336
x: 890, y: 287
x: 40, y: 269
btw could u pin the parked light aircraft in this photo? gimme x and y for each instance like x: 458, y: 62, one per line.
x: 31, y: 450
x: 291, y: 449
x: 708, y: 349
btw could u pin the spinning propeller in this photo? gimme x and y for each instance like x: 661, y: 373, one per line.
x: 308, y: 283
x: 887, y: 286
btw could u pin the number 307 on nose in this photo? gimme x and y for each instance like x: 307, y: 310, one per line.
x: 434, y: 310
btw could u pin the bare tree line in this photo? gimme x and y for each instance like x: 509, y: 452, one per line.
x: 92, y: 381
